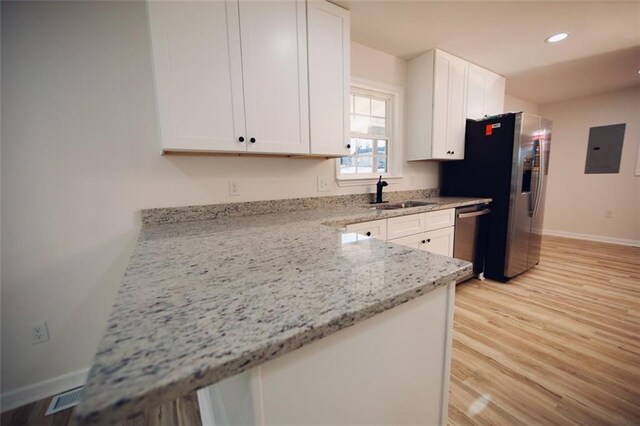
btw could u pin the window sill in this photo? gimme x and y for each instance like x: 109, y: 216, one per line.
x: 366, y: 181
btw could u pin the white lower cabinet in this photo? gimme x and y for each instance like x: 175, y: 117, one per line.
x: 392, y: 368
x: 440, y: 241
x: 431, y: 231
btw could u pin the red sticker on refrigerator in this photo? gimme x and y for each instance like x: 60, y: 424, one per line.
x: 488, y: 130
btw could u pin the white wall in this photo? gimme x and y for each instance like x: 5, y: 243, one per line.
x: 80, y: 158
x: 576, y: 202
x: 513, y: 104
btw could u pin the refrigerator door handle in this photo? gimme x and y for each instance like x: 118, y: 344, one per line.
x: 540, y: 177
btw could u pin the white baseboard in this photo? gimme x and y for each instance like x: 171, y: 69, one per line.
x: 599, y: 238
x: 28, y: 394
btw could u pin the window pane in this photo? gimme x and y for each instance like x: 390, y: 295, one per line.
x: 362, y: 105
x: 382, y: 156
x: 365, y: 164
x: 368, y: 153
x: 382, y: 165
x: 348, y: 164
x: 364, y: 146
x: 360, y: 124
x: 354, y: 143
x: 378, y: 126
x: 378, y: 108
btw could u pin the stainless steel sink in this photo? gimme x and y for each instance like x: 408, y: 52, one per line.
x: 408, y: 204
x: 403, y: 205
x: 388, y: 207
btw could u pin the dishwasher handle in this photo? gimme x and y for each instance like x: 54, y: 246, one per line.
x: 474, y: 214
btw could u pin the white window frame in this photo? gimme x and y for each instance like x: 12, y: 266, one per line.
x: 395, y: 151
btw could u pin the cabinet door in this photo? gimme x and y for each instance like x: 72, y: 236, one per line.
x: 494, y: 94
x: 475, y: 92
x: 198, y: 75
x: 440, y: 241
x: 457, y: 106
x: 441, y: 88
x: 329, y: 77
x: 449, y: 106
x: 274, y: 64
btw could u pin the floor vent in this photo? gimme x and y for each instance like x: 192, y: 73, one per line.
x: 64, y: 401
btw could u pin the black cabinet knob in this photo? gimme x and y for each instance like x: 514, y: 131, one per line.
x: 349, y: 145
x: 424, y: 241
x: 428, y: 240
x: 252, y: 140
x: 241, y: 139
x: 448, y: 152
x: 453, y: 152
x: 368, y: 234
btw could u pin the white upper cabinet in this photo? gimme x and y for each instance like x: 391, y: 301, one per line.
x: 329, y: 77
x: 274, y: 65
x: 198, y: 75
x: 437, y: 106
x: 485, y: 95
x: 231, y: 76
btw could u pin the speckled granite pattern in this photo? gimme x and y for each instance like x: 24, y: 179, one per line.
x: 202, y: 301
x: 213, y: 211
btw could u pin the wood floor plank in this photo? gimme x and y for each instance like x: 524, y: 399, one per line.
x: 559, y: 344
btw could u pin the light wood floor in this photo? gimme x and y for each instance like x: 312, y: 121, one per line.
x: 181, y: 412
x: 557, y: 345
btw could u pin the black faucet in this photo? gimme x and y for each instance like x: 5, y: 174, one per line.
x: 381, y: 184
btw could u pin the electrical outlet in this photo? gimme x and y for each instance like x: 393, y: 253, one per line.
x: 39, y: 333
x: 323, y: 183
x: 233, y: 188
x: 608, y: 214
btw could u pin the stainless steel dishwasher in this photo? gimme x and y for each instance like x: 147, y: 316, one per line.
x: 471, y: 231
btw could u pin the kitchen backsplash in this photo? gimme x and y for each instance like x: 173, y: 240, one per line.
x: 212, y: 211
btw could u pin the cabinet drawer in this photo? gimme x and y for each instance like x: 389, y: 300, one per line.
x: 439, y: 241
x: 374, y: 229
x: 416, y: 241
x: 406, y: 225
x: 440, y: 219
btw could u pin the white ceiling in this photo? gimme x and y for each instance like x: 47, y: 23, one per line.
x: 601, y: 54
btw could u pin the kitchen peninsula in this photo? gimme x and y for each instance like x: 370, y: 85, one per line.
x: 220, y: 297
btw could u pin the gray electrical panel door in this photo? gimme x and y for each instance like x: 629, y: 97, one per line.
x: 605, y: 149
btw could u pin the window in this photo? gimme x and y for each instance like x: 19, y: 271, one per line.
x: 370, y: 134
x: 376, y: 134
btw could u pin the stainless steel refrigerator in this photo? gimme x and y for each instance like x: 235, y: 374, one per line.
x: 506, y: 158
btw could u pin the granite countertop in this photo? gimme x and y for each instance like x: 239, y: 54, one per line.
x: 205, y: 300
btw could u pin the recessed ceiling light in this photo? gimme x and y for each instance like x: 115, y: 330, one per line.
x: 557, y: 37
